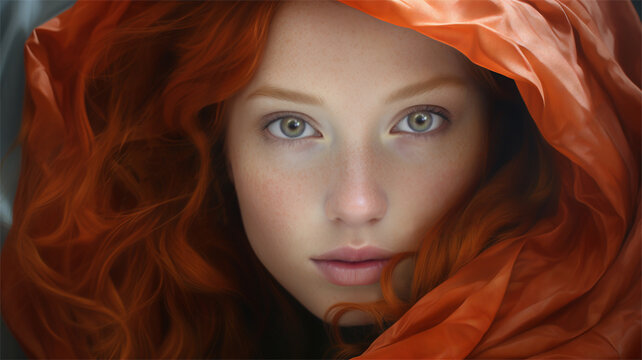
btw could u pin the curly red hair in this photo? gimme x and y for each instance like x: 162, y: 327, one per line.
x: 126, y: 228
x: 120, y: 233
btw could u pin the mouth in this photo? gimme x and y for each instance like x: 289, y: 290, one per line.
x: 348, y: 266
x: 351, y: 273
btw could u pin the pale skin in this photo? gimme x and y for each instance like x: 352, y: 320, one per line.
x: 350, y: 170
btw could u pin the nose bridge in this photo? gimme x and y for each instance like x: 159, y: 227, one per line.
x: 357, y: 166
x: 356, y: 196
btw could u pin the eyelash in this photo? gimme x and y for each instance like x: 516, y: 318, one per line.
x: 436, y: 110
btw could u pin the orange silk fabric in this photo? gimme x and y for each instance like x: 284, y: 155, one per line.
x: 571, y: 286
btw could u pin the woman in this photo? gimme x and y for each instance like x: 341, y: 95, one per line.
x: 336, y: 145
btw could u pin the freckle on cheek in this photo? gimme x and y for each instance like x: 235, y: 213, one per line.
x: 267, y: 198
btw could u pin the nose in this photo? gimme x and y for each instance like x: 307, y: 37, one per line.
x: 355, y: 197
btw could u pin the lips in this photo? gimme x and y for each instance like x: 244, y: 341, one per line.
x: 348, y: 266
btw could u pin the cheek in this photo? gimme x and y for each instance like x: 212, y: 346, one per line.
x: 429, y: 189
x: 436, y: 179
x: 275, y: 205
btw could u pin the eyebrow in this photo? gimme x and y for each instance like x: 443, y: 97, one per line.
x: 425, y: 86
x: 403, y: 93
x: 285, y: 94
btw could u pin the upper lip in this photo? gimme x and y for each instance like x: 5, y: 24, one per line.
x: 352, y: 254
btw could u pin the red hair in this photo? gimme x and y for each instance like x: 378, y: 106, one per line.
x: 126, y: 230
x: 120, y: 233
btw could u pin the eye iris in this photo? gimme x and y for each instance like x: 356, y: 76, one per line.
x: 420, y: 121
x: 292, y: 127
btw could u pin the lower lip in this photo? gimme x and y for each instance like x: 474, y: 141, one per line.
x: 351, y: 273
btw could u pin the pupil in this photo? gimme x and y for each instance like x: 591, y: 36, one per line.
x: 293, y: 124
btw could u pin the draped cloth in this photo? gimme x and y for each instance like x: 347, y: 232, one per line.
x: 571, y: 286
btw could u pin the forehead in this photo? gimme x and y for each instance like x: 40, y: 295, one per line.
x: 319, y: 42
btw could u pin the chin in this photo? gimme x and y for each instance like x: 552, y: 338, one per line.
x: 355, y: 318
x: 350, y: 318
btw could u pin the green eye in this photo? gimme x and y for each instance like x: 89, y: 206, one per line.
x: 420, y: 121
x: 290, y: 127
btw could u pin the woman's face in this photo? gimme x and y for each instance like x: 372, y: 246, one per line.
x: 353, y: 138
